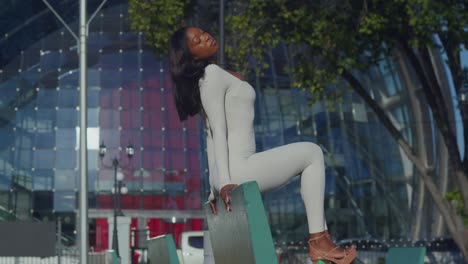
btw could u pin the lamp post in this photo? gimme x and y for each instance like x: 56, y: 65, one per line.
x: 462, y: 95
x: 463, y: 92
x: 118, y: 189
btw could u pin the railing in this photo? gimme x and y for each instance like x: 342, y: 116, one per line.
x: 438, y: 251
x: 39, y: 260
x: 69, y: 256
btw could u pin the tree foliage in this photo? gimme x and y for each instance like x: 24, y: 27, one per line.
x: 455, y: 198
x: 157, y: 19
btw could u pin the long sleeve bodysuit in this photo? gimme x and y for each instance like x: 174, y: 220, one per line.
x: 229, y: 106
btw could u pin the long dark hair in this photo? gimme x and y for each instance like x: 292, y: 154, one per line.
x: 185, y: 72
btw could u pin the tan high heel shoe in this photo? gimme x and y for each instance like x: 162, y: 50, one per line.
x: 316, y: 254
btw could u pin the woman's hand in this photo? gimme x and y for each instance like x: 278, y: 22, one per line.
x: 224, y: 193
x: 212, y: 199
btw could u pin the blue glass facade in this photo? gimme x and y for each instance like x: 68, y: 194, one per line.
x: 372, y: 190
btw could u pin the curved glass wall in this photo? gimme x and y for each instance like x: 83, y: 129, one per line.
x: 371, y: 187
x: 129, y: 101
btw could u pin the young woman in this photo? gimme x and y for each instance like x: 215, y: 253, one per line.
x: 226, y: 104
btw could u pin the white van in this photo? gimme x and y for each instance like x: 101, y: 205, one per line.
x: 191, y: 247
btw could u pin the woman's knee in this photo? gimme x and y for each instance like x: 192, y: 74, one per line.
x: 313, y: 151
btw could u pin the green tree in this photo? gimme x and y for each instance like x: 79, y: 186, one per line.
x: 158, y: 19
x: 334, y: 40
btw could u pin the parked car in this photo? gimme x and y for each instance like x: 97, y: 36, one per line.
x: 191, y: 247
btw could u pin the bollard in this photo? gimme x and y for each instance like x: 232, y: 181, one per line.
x: 242, y: 235
x: 407, y: 255
x: 207, y: 250
x: 162, y: 250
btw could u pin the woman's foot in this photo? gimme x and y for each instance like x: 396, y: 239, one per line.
x: 321, y: 247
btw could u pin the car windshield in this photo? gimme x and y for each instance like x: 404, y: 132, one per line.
x: 196, y: 241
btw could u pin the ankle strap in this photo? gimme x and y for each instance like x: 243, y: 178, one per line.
x: 317, y: 238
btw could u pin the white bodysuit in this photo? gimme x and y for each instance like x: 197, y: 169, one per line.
x: 229, y: 106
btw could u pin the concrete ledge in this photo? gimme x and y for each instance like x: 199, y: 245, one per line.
x: 162, y: 250
x: 242, y: 235
x: 406, y: 255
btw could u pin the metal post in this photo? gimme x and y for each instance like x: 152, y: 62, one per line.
x: 59, y: 242
x: 221, y: 33
x: 115, y: 239
x: 83, y: 200
x: 119, y: 198
x: 83, y: 146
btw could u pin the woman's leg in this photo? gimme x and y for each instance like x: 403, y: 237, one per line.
x: 274, y: 167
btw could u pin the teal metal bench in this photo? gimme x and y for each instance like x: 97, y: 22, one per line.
x: 406, y: 255
x: 242, y: 235
x: 162, y: 250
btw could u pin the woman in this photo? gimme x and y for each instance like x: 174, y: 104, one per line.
x: 226, y: 104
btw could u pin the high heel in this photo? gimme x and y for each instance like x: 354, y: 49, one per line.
x: 318, y: 255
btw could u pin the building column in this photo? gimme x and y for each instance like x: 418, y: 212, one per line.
x: 123, y: 230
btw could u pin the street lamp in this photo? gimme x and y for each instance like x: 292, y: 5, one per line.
x: 462, y: 96
x: 463, y: 92
x: 118, y: 189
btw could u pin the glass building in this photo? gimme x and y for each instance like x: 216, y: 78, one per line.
x: 372, y: 189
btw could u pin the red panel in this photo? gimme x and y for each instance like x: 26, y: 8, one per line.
x: 152, y: 161
x: 192, y: 140
x: 191, y: 123
x: 168, y: 84
x: 173, y: 203
x: 151, y: 101
x: 175, y: 176
x: 193, y: 183
x: 178, y: 229
x: 175, y: 159
x: 152, y: 120
x: 129, y: 119
x: 102, y: 234
x: 196, y: 224
x: 175, y: 138
x: 151, y: 78
x: 153, y: 202
x: 109, y: 118
x: 109, y: 99
x: 155, y: 227
x: 152, y: 139
x: 129, y: 99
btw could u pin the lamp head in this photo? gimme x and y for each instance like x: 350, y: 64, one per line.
x: 120, y: 176
x: 130, y: 151
x: 102, y: 150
